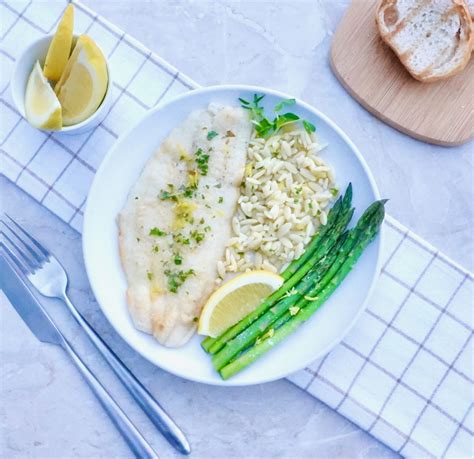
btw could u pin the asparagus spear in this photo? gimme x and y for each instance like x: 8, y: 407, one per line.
x: 368, y: 234
x: 261, y: 326
x: 340, y: 210
x: 214, y: 345
x: 264, y: 322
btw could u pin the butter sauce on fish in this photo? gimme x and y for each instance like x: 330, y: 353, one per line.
x: 177, y: 220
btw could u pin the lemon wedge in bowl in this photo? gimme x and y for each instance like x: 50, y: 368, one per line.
x: 60, y: 46
x: 83, y: 83
x: 235, y: 299
x: 42, y: 107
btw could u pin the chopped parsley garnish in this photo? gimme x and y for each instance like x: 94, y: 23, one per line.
x: 334, y: 191
x: 149, y: 274
x: 157, y: 232
x: 155, y: 249
x: 220, y: 200
x: 202, y: 161
x: 211, y: 135
x: 184, y: 191
x: 178, y: 259
x: 197, y: 236
x: 165, y: 195
x: 264, y: 126
x: 188, y: 192
x: 202, y: 221
x: 177, y: 278
x: 180, y: 239
x: 207, y: 229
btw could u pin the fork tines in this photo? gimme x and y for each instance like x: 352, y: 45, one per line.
x: 25, y: 251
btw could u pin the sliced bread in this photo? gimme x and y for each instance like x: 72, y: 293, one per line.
x: 432, y: 38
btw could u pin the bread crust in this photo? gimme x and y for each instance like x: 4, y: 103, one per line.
x: 459, y: 6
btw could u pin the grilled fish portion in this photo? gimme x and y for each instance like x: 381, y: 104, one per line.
x: 177, y: 220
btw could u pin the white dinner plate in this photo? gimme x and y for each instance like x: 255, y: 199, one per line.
x: 120, y: 170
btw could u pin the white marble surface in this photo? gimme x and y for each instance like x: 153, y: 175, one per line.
x: 46, y: 410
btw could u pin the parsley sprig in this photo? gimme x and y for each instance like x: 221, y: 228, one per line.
x: 265, y: 126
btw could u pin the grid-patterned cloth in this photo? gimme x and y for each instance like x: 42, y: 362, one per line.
x: 404, y: 373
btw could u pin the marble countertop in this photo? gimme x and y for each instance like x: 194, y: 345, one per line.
x: 46, y: 410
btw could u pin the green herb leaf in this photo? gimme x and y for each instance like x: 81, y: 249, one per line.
x: 178, y: 259
x: 157, y: 232
x: 284, y: 119
x: 284, y: 103
x: 165, y: 195
x: 202, y: 161
x: 309, y: 127
x: 149, y: 274
x: 177, y: 278
x: 211, y: 135
x: 180, y: 239
x: 197, y: 236
x: 264, y: 126
x: 220, y: 200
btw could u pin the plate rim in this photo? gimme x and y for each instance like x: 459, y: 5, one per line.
x: 250, y: 88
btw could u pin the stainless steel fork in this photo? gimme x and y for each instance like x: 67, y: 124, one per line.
x: 49, y: 277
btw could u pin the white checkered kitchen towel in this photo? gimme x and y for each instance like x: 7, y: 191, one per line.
x: 404, y: 373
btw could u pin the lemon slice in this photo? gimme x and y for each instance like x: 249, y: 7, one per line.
x: 235, y: 299
x: 42, y: 107
x: 60, y: 46
x: 83, y: 84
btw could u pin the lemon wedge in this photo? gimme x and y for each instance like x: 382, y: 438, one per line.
x: 84, y: 81
x: 235, y: 299
x: 60, y: 46
x: 42, y: 107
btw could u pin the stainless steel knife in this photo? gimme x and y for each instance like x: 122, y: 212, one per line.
x: 43, y: 327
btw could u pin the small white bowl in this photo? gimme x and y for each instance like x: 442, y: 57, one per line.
x: 22, y: 70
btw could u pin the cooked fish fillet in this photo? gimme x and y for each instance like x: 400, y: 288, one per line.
x: 177, y: 220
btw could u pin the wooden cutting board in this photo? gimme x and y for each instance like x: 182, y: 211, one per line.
x: 439, y: 113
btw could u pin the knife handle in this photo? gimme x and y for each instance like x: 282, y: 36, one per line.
x: 149, y: 405
x: 136, y: 442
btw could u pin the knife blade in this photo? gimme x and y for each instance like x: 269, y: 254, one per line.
x: 27, y: 306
